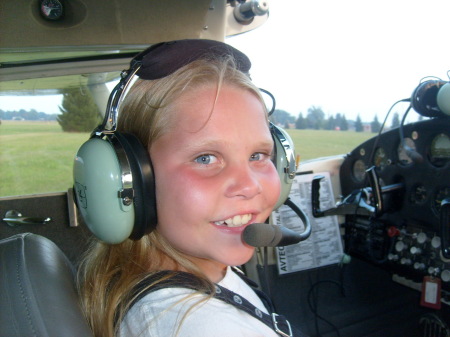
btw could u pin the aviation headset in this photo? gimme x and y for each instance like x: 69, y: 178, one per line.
x: 113, y: 176
x: 432, y: 98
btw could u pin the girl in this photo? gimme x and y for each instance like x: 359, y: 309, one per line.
x: 205, y: 128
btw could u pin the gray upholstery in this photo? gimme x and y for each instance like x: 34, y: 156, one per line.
x: 37, y: 290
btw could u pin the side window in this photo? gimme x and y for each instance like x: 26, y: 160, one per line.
x: 39, y: 137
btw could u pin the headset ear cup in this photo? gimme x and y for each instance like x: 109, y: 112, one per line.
x: 424, y: 98
x: 143, y: 185
x: 284, y: 161
x: 443, y: 98
x: 97, y: 174
x: 99, y: 171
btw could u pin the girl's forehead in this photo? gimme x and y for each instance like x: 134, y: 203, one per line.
x: 198, y: 105
x: 204, y: 110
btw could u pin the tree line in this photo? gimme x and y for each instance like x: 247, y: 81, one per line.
x: 29, y: 115
x: 79, y: 113
x: 316, y: 119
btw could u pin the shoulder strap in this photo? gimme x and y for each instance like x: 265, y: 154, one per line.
x: 252, y: 284
x: 171, y: 279
x: 274, y: 321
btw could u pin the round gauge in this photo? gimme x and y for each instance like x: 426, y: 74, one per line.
x: 403, y: 157
x: 419, y: 195
x: 380, y: 158
x: 440, y: 150
x: 359, y: 170
x: 51, y: 9
x: 441, y: 194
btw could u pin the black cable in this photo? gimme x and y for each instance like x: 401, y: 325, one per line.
x: 306, y: 223
x: 266, y: 273
x: 305, y: 234
x: 375, y: 144
x: 400, y: 128
x: 382, y: 127
x: 274, y: 102
x: 314, y: 308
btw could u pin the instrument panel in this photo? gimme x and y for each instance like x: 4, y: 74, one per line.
x: 421, y: 161
x: 413, y: 170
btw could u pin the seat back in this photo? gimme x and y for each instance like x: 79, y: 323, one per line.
x: 37, y: 290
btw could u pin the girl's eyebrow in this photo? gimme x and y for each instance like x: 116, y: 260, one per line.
x: 216, y: 143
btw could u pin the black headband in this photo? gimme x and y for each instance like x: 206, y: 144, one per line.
x: 162, y: 59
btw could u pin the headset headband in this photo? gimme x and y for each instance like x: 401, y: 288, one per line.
x: 161, y: 60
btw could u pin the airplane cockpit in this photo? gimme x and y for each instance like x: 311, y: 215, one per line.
x: 360, y: 245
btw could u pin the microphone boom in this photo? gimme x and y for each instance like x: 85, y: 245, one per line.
x: 267, y: 235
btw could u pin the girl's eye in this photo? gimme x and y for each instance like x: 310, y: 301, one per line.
x: 206, y: 159
x: 258, y: 156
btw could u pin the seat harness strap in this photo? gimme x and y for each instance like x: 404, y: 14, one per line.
x: 171, y: 279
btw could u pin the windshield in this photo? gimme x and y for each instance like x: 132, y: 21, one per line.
x: 335, y: 69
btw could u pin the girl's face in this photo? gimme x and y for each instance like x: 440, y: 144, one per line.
x: 214, y: 176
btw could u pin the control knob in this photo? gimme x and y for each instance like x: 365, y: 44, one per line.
x: 445, y: 275
x: 415, y: 250
x: 399, y: 246
x: 436, y: 242
x: 421, y: 238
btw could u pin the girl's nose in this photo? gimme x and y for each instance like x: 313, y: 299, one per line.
x: 243, y: 182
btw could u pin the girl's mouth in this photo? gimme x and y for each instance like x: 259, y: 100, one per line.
x: 236, y: 221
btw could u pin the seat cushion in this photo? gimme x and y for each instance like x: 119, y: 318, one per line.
x: 37, y: 290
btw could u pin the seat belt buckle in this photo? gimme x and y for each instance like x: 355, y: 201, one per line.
x: 279, y: 321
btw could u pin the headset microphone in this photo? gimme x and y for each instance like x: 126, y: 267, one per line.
x: 268, y: 235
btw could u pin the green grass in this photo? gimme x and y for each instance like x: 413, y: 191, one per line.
x: 310, y: 144
x: 37, y: 157
x: 20, y: 127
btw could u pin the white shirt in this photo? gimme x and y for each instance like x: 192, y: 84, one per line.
x: 162, y: 312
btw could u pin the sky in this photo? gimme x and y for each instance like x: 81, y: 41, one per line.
x: 350, y: 56
x: 353, y: 57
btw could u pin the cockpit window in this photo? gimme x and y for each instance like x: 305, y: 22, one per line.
x: 39, y: 137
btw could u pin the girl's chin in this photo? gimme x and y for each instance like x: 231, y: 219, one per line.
x: 239, y: 259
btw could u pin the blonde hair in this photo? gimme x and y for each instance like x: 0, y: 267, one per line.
x: 108, y: 273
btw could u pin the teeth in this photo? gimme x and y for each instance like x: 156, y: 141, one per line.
x: 236, y: 221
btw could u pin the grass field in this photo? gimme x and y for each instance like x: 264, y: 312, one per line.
x: 310, y: 144
x: 37, y: 157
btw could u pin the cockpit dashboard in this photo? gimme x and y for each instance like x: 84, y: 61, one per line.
x: 408, y: 233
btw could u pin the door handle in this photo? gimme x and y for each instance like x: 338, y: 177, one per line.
x: 14, y: 218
